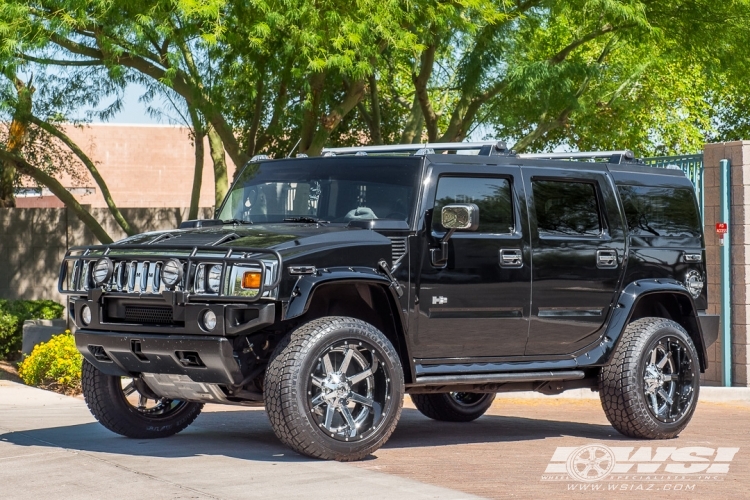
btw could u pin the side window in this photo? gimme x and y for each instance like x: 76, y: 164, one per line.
x: 566, y: 208
x: 491, y: 195
x: 658, y: 211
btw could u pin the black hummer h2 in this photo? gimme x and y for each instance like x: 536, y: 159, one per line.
x: 328, y: 287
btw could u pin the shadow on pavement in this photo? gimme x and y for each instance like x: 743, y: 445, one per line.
x: 247, y: 435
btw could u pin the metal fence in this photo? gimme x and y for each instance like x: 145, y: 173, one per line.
x: 692, y: 165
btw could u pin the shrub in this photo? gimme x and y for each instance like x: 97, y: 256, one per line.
x: 12, y: 315
x: 54, y: 365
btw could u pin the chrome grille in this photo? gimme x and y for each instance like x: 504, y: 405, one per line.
x: 398, y: 247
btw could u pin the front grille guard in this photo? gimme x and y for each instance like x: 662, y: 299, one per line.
x: 84, y: 257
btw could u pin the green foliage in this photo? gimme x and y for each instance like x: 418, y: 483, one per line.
x: 12, y: 315
x: 54, y: 365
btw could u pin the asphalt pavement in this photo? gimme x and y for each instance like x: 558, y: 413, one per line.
x: 51, y: 447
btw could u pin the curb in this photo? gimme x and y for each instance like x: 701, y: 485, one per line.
x: 708, y: 394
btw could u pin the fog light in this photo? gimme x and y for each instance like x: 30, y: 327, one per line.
x: 85, y: 315
x: 251, y: 280
x: 209, y: 320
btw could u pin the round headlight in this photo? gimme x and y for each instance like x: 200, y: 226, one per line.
x: 694, y: 283
x: 85, y: 315
x: 103, y: 271
x: 209, y: 320
x: 171, y: 273
x: 214, y: 278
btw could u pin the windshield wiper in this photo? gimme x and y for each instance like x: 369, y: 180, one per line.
x: 304, y: 218
x: 236, y: 221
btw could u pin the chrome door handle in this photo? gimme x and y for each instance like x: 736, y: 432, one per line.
x: 511, y: 257
x: 606, y: 259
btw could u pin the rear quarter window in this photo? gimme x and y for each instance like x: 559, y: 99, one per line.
x: 660, y: 211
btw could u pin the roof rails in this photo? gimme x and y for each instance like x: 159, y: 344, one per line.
x: 616, y: 157
x: 485, y: 148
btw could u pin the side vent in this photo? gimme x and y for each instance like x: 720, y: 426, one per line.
x: 398, y: 247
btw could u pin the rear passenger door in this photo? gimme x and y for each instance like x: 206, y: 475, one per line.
x: 578, y: 247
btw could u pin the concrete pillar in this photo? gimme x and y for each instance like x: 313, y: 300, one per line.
x: 738, y: 153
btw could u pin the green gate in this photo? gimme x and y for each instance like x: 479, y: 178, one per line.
x: 692, y: 165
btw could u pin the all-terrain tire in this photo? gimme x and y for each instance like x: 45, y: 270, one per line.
x: 453, y: 407
x: 623, y: 384
x: 287, y: 388
x: 106, y: 401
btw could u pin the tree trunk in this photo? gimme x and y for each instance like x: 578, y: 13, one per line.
x: 199, y: 133
x: 221, y: 181
x: 16, y: 141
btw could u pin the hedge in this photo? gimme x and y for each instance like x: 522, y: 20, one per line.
x: 12, y: 315
x: 54, y: 365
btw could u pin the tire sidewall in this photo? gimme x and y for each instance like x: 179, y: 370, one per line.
x: 474, y: 410
x: 386, y: 354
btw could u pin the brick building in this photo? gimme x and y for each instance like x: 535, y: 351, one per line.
x: 144, y: 166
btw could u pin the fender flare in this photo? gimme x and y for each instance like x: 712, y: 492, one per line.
x: 307, y: 285
x: 626, y: 304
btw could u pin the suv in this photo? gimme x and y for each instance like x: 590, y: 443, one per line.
x: 328, y: 287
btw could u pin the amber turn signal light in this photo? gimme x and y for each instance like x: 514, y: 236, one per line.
x: 251, y: 280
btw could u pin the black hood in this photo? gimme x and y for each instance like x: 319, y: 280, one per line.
x: 320, y: 245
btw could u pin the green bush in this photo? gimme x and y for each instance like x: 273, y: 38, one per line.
x: 12, y: 315
x: 54, y: 365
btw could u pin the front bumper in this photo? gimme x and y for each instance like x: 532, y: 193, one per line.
x: 204, y: 359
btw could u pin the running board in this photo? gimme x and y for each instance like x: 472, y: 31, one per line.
x: 499, y: 378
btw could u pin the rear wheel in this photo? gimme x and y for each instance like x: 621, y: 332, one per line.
x: 650, y: 389
x: 453, y: 406
x: 127, y: 406
x: 336, y: 390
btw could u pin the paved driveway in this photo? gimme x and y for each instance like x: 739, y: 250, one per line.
x: 50, y: 447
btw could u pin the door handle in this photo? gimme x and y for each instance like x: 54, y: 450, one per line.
x: 606, y: 259
x: 511, y: 257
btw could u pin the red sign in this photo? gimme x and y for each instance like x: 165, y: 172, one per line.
x: 721, y: 228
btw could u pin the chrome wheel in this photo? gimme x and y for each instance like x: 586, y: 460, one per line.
x: 141, y: 399
x: 668, y: 380
x: 348, y: 390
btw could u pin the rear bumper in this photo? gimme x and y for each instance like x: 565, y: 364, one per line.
x: 710, y: 328
x: 207, y: 359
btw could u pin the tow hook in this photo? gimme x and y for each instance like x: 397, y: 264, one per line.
x: 383, y: 265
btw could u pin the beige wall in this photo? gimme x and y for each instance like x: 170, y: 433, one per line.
x: 143, y: 165
x: 33, y: 242
x: 738, y: 153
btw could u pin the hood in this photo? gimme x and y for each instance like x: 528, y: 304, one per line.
x: 321, y: 245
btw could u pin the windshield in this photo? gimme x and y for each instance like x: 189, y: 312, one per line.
x: 331, y: 189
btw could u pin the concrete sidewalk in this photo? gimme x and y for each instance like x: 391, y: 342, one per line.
x: 51, y: 447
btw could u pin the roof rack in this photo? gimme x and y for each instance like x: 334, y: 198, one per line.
x: 484, y: 148
x: 620, y: 156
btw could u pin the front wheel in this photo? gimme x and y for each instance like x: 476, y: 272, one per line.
x: 128, y: 407
x: 336, y: 390
x: 453, y: 406
x: 650, y: 389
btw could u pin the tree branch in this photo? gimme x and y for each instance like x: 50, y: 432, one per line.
x: 58, y: 190
x: 427, y: 61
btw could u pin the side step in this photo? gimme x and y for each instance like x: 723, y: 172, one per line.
x: 499, y: 378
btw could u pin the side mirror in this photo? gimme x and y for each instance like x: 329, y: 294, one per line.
x: 460, y: 217
x: 454, y: 217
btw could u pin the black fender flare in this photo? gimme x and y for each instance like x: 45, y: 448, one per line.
x: 306, y: 286
x: 623, y: 311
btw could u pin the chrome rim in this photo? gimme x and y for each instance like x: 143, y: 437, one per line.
x: 669, y: 379
x: 148, y: 404
x: 467, y: 398
x: 349, y: 390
